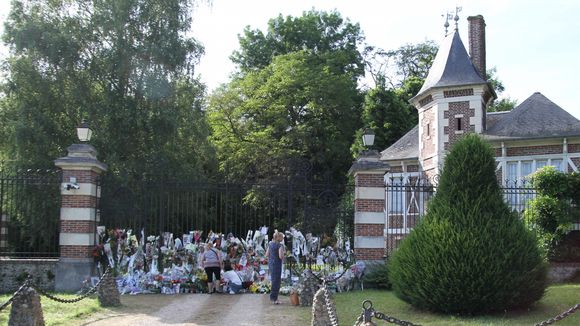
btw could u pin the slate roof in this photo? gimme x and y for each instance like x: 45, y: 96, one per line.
x: 536, y: 117
x: 451, y: 67
x: 407, y: 147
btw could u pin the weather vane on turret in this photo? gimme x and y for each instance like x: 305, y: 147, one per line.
x: 447, y: 17
x: 456, y: 18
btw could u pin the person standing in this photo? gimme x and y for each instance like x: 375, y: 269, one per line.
x: 275, y: 254
x: 212, y: 264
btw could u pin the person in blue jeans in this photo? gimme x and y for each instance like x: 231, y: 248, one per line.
x: 275, y: 254
x: 233, y: 279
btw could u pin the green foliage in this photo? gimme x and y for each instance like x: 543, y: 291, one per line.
x: 387, y: 114
x: 470, y: 254
x: 553, y: 183
x: 124, y: 65
x: 414, y: 60
x: 378, y: 276
x: 295, y: 97
x: 546, y: 212
x: 499, y: 104
x: 324, y: 34
x: 552, y: 212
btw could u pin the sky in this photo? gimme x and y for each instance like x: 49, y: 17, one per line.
x: 534, y: 45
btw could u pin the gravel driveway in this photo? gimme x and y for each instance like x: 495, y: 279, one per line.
x: 202, y: 309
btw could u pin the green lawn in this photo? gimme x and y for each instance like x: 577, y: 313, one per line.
x: 58, y: 313
x: 558, y: 298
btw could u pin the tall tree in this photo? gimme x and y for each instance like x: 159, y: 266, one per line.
x: 410, y: 61
x: 501, y: 103
x: 295, y: 96
x: 324, y: 34
x: 296, y: 107
x: 125, y: 65
x: 387, y: 113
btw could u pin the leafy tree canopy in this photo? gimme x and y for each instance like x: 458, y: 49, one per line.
x: 296, y: 107
x: 125, y: 65
x: 324, y: 34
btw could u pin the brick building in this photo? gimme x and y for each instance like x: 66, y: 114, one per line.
x: 452, y: 102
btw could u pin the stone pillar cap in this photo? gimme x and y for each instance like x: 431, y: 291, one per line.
x: 81, y: 156
x: 369, y: 160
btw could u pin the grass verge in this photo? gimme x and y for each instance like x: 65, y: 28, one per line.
x: 56, y: 313
x: 557, y: 299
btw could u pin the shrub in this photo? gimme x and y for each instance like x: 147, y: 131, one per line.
x: 470, y: 254
x: 551, y: 213
x: 378, y: 276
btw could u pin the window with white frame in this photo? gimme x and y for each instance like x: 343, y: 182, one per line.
x: 516, y: 171
x: 515, y: 179
x: 396, y: 195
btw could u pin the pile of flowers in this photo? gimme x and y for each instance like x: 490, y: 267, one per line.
x: 167, y: 264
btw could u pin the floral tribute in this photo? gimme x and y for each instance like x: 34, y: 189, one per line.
x: 170, y: 265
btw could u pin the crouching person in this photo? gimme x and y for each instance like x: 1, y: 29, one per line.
x: 232, y: 279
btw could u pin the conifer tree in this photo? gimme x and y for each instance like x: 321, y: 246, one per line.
x: 471, y: 253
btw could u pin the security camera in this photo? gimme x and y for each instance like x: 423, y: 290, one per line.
x: 70, y: 186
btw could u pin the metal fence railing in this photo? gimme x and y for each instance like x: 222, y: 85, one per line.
x: 30, y: 213
x: 407, y: 199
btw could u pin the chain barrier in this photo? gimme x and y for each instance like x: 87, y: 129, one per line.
x: 560, y: 316
x: 28, y: 284
x: 20, y: 289
x: 369, y: 313
x: 328, y: 304
x: 57, y: 299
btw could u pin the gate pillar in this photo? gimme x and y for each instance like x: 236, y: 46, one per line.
x: 369, y: 203
x: 78, y: 215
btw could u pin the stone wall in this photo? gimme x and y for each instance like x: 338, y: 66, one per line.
x: 563, y: 272
x: 13, y: 273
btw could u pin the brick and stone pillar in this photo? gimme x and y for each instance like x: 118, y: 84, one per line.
x: 78, y: 215
x: 369, y: 202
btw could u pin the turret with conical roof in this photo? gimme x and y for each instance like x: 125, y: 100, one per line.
x: 451, y: 102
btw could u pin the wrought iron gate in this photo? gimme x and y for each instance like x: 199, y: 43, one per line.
x: 171, y: 205
x: 29, y: 212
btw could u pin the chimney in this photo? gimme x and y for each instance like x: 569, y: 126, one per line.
x: 477, y: 43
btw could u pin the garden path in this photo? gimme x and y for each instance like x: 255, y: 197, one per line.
x: 200, y: 309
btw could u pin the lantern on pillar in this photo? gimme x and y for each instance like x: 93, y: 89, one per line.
x: 368, y: 137
x: 84, y: 132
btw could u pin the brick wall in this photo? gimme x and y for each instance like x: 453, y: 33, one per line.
x: 78, y: 201
x: 576, y: 162
x: 372, y: 230
x: 67, y: 226
x: 397, y: 221
x: 412, y: 168
x: 457, y: 108
x: 369, y: 205
x: 573, y: 148
x: 458, y: 92
x: 76, y: 251
x: 535, y: 150
x: 369, y: 253
x: 83, y: 176
x: 369, y: 180
x: 428, y: 148
x: 476, y: 31
x: 13, y: 270
x: 396, y: 169
x: 497, y: 152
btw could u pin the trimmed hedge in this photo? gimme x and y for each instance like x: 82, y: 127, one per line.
x: 470, y: 254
